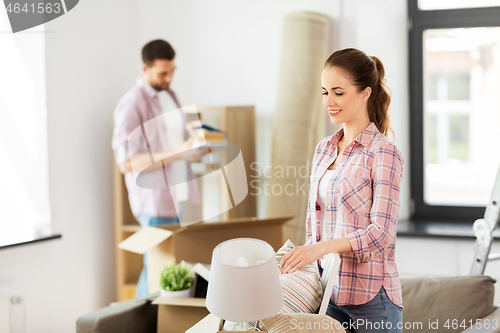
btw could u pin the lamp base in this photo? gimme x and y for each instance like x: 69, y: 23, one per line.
x: 229, y: 326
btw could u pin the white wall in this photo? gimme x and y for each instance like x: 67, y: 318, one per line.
x: 232, y: 55
x: 90, y: 53
x: 228, y: 53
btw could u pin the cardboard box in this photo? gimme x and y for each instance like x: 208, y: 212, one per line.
x: 179, y: 314
x: 194, y: 243
x: 210, y: 323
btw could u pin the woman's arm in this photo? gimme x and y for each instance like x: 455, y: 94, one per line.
x: 303, y: 255
x: 387, y: 172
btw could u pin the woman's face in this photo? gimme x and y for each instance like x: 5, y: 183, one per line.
x: 345, y: 104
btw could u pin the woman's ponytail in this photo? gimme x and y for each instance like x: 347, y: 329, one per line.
x: 378, y: 104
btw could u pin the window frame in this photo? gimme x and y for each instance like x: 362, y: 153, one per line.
x: 419, y: 21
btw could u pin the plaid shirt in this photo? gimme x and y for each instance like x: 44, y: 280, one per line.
x: 362, y: 204
x: 140, y: 106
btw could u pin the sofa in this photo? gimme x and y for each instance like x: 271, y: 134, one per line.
x: 138, y: 315
x: 430, y: 305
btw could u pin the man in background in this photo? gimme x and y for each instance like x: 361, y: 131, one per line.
x: 169, y: 140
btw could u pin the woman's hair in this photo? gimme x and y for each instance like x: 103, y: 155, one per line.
x: 366, y: 71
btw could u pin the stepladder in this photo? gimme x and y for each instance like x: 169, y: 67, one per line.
x: 483, y: 230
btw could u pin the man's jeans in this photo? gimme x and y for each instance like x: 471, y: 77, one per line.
x: 379, y: 315
x: 150, y: 221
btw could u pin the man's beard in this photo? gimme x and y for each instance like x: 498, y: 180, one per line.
x: 159, y: 87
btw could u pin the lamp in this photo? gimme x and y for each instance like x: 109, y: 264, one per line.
x: 244, y: 282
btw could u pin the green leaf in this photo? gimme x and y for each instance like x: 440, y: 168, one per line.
x: 175, y: 277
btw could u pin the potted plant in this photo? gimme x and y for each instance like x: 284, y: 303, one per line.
x: 177, y: 280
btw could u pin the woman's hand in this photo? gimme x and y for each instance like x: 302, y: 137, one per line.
x: 300, y: 256
x: 303, y: 255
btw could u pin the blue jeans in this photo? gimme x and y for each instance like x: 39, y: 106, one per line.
x: 150, y: 221
x: 379, y: 315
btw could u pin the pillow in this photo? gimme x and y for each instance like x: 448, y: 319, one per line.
x: 302, y: 289
x: 457, y: 300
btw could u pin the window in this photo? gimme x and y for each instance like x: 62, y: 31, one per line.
x: 24, y: 203
x: 454, y: 4
x: 455, y: 106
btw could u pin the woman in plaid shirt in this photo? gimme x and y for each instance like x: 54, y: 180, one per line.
x: 354, y: 199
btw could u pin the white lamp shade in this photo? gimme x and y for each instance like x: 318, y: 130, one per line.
x: 244, y: 282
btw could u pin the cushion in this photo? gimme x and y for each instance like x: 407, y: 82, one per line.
x: 302, y: 289
x: 445, y: 301
x: 302, y: 323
